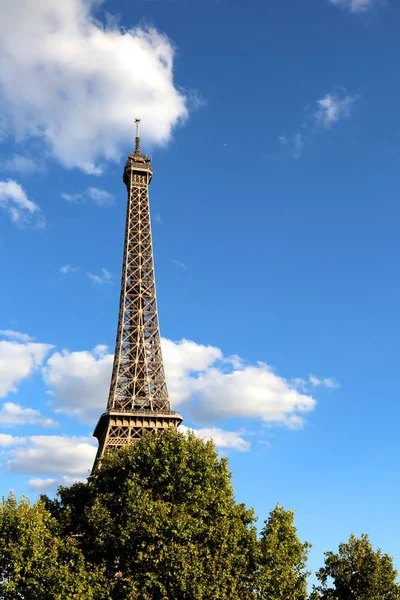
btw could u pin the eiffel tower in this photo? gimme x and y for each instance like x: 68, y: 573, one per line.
x: 138, y: 400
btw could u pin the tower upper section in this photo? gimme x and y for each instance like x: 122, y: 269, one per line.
x: 138, y: 163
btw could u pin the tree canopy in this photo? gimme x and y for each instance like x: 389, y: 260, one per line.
x: 357, y: 572
x: 283, y: 558
x: 160, y: 517
x: 159, y: 521
x: 38, y: 564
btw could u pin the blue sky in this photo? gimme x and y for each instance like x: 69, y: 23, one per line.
x: 274, y: 131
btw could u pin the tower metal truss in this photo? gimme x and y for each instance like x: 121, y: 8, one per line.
x: 138, y: 400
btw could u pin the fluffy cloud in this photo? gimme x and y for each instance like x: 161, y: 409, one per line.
x: 14, y: 414
x: 182, y: 361
x: 58, y: 455
x: 83, y: 83
x: 355, y: 6
x: 18, y: 361
x: 104, y: 277
x: 41, y: 485
x: 208, y: 386
x: 15, y: 202
x: 97, y: 195
x: 333, y: 107
x: 7, y: 440
x: 79, y: 381
x: 37, y: 484
x: 253, y: 392
x: 221, y: 438
x: 213, y: 388
x: 16, y: 335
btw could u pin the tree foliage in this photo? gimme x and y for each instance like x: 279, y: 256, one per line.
x: 159, y: 521
x: 37, y: 564
x: 161, y: 518
x: 357, y: 572
x: 283, y: 558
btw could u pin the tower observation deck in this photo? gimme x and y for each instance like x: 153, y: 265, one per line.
x: 138, y: 400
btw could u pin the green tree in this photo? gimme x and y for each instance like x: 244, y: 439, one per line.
x: 161, y: 517
x: 357, y: 572
x: 283, y: 558
x: 35, y: 564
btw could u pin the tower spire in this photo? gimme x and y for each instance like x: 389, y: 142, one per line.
x: 137, y: 138
x: 138, y: 400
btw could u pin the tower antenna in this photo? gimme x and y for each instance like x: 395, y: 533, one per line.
x: 137, y: 139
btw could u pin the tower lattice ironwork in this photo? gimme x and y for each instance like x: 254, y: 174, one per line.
x: 138, y: 400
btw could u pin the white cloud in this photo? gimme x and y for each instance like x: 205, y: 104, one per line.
x: 19, y: 164
x: 254, y: 392
x: 222, y: 439
x: 58, y: 455
x: 79, y: 381
x: 37, y: 484
x: 18, y: 361
x: 66, y: 269
x: 14, y: 414
x: 333, y: 107
x: 15, y: 202
x: 11, y: 440
x: 104, y: 277
x: 83, y: 83
x: 77, y: 197
x: 16, y: 335
x: 41, y: 485
x: 355, y: 6
x: 212, y: 388
x: 97, y: 195
x: 69, y: 480
x: 313, y: 382
x: 215, y: 388
x: 327, y: 382
x: 201, y: 381
x: 295, y: 143
x: 100, y: 197
x: 182, y: 360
